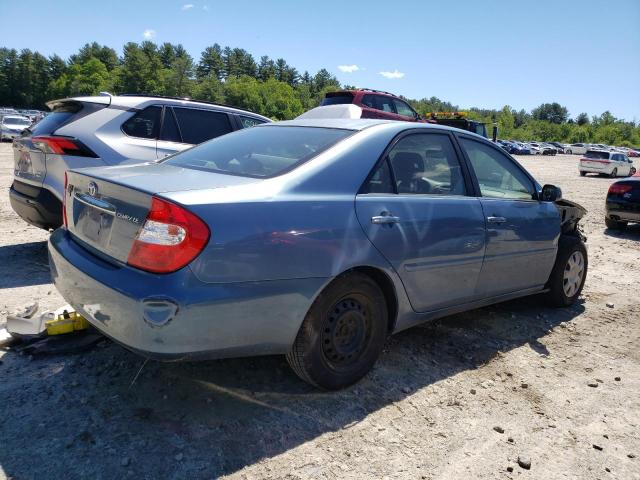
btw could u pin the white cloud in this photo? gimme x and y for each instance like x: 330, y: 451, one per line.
x: 187, y: 6
x: 394, y: 74
x: 149, y: 34
x: 348, y: 68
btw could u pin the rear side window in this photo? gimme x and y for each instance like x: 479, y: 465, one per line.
x: 337, y: 99
x: 597, y: 155
x: 144, y: 124
x: 198, y: 126
x: 369, y: 101
x: 260, y: 152
x: 498, y: 176
x: 248, y: 122
x: 169, y: 131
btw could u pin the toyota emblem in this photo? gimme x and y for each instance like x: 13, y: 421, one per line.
x: 93, y: 189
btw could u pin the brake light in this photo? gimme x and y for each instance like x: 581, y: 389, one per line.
x: 64, y: 201
x: 170, y: 238
x: 619, y: 188
x: 62, y: 146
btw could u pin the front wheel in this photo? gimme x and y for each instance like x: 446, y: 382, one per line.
x: 343, y: 333
x: 614, y: 173
x: 569, y: 272
x: 568, y: 152
x: 632, y: 171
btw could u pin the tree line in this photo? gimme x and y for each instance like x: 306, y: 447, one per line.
x: 270, y: 87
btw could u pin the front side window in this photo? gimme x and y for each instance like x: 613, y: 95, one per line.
x: 264, y: 151
x: 403, y: 109
x: 385, y: 104
x: 497, y: 174
x: 369, y: 101
x: 144, y: 124
x: 198, y: 126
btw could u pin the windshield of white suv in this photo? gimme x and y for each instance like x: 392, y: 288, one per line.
x: 262, y: 151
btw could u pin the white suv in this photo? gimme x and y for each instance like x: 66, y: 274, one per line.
x: 606, y: 162
x: 107, y: 130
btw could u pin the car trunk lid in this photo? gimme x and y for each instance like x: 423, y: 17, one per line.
x: 103, y: 215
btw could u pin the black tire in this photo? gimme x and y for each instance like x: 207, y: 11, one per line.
x: 342, y: 334
x: 632, y: 171
x: 614, y: 173
x: 614, y: 224
x: 558, y: 296
x: 582, y: 174
x: 568, y: 152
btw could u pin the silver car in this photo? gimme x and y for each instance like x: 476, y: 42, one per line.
x: 11, y: 126
x: 107, y: 130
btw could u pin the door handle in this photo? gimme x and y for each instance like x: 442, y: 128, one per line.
x: 496, y: 219
x: 384, y: 219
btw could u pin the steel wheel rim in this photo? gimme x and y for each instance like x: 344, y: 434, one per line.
x: 346, y: 332
x: 573, y: 274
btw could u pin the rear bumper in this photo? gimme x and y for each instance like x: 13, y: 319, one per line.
x: 208, y: 321
x: 606, y: 169
x: 628, y: 212
x: 9, y: 135
x: 36, y: 205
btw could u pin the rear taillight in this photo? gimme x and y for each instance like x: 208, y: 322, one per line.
x: 619, y: 188
x: 64, y: 201
x: 62, y: 146
x: 170, y: 238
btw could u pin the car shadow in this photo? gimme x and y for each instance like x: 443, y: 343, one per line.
x: 34, y: 265
x: 114, y: 412
x: 630, y: 232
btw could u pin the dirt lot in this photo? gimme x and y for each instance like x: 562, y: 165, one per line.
x: 461, y: 398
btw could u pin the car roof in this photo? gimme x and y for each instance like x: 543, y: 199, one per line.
x: 141, y: 101
x: 363, y: 123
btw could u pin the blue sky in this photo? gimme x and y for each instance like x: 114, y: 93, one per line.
x: 582, y: 54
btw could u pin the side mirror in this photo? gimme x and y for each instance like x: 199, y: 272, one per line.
x: 550, y: 193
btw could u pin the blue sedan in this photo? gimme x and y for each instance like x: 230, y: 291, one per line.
x: 311, y: 238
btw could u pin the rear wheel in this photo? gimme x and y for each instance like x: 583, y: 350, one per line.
x: 614, y: 173
x: 569, y: 272
x: 342, y: 335
x: 614, y: 224
x: 568, y: 152
x: 632, y: 171
x: 582, y: 174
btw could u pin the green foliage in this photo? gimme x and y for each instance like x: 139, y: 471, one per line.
x: 269, y: 87
x: 551, y: 112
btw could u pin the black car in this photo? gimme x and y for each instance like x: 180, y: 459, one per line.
x: 623, y: 203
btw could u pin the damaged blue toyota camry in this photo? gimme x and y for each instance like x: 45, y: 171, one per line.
x: 311, y: 238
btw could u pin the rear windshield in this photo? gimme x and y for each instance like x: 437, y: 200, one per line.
x: 262, y: 152
x: 597, y: 155
x: 337, y: 99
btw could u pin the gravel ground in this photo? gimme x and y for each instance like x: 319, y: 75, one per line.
x: 476, y: 395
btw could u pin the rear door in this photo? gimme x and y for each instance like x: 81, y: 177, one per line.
x: 141, y: 134
x: 416, y: 210
x: 522, y: 232
x: 194, y: 126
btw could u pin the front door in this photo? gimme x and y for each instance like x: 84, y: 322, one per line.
x: 522, y: 232
x: 416, y: 212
